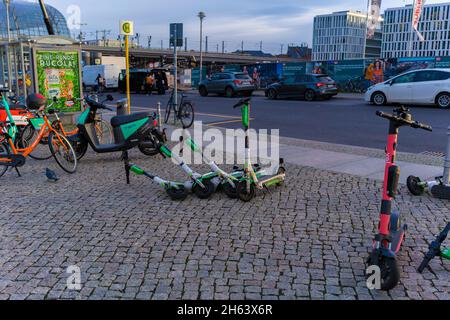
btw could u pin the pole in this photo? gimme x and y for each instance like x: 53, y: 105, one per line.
x: 223, y: 47
x: 206, y: 44
x: 158, y: 110
x: 366, y: 34
x: 447, y: 161
x: 242, y: 47
x: 48, y: 24
x: 127, y: 60
x: 175, y: 71
x: 411, y: 33
x: 8, y: 57
x: 201, y: 15
x: 185, y: 44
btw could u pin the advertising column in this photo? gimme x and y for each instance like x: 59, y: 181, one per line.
x: 58, y: 75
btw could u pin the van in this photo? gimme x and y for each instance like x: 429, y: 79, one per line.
x: 109, y: 72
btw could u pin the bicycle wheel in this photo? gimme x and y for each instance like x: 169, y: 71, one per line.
x: 63, y: 152
x: 104, y: 132
x: 28, y: 137
x: 186, y: 115
x: 4, y: 152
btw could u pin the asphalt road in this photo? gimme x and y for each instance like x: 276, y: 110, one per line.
x: 343, y: 120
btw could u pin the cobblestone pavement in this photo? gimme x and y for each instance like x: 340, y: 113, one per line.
x: 306, y: 240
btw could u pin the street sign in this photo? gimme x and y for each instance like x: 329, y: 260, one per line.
x: 126, y: 28
x: 176, y: 34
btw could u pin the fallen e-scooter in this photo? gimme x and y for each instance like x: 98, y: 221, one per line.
x: 251, y: 179
x: 439, y: 188
x: 436, y: 250
x: 203, y: 186
x: 391, y: 233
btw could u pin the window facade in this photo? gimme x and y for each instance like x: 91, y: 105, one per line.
x: 341, y: 36
x: 399, y: 40
x: 26, y: 21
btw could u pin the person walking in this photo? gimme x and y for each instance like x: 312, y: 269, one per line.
x: 100, y: 83
x: 149, y: 81
x: 378, y: 72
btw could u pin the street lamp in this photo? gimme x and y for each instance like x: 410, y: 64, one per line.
x: 8, y: 31
x: 202, y: 16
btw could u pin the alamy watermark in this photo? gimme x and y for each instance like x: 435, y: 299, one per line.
x: 227, y: 147
x: 373, y: 278
x: 74, y: 279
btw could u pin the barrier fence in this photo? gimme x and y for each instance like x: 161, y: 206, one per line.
x: 350, y: 75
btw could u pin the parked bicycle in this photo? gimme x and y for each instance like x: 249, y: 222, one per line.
x: 12, y: 156
x: 183, y: 110
x: 354, y: 85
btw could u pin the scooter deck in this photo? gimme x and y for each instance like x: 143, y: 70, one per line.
x: 271, y: 180
x: 441, y: 192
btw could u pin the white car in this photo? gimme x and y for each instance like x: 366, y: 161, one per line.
x: 420, y: 87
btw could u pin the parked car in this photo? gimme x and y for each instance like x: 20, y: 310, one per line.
x: 419, y: 87
x: 228, y: 84
x: 138, y: 80
x: 308, y: 86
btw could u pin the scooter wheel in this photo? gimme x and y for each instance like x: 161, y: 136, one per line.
x: 177, y: 194
x: 230, y: 191
x: 414, y: 186
x: 245, y: 194
x: 390, y: 273
x: 204, y: 192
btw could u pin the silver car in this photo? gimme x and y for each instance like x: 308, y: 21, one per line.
x: 228, y: 84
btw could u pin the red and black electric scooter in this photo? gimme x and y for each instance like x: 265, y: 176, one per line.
x: 392, y: 232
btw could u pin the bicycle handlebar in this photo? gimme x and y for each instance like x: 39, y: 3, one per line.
x: 399, y: 119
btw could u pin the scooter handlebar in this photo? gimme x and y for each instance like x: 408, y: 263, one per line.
x: 242, y: 102
x: 413, y: 124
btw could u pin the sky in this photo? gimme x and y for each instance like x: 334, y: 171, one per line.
x: 274, y: 22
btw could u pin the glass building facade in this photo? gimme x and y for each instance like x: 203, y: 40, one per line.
x: 27, y: 21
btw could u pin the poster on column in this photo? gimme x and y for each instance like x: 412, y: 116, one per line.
x: 58, y: 76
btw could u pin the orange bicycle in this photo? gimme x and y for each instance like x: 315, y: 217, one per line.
x: 12, y: 156
x: 103, y: 132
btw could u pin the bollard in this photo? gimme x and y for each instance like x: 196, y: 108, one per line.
x: 158, y: 110
x: 447, y: 161
x: 122, y: 107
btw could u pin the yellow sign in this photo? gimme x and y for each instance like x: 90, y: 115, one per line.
x: 126, y: 28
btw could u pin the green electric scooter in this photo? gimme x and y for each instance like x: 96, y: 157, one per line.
x: 252, y: 180
x: 436, y: 250
x: 228, y: 182
x: 203, y: 186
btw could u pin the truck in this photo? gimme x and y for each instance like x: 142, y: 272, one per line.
x: 109, y: 72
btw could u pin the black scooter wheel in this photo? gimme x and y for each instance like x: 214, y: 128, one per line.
x: 80, y: 146
x: 414, y: 186
x: 390, y: 273
x: 204, y: 192
x: 149, y: 146
x: 230, y: 191
x: 245, y: 194
x: 177, y: 194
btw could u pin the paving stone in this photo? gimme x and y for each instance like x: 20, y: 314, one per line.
x: 133, y: 242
